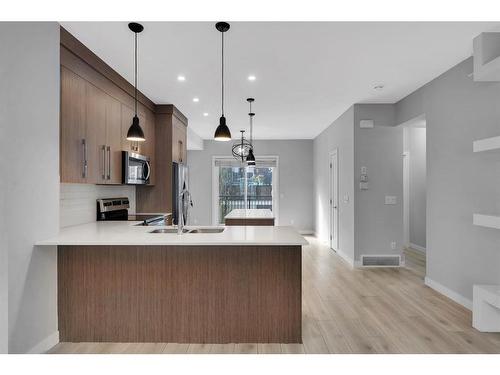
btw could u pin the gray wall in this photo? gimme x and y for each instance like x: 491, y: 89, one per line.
x: 417, y: 198
x: 380, y: 149
x: 4, y: 293
x: 459, y: 182
x: 31, y: 54
x: 295, y: 179
x: 340, y: 134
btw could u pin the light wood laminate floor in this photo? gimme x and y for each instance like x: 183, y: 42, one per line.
x: 345, y: 310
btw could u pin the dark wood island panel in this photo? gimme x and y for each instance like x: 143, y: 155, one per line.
x: 184, y: 294
x: 251, y: 222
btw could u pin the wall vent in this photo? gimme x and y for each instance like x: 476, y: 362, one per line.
x: 380, y: 260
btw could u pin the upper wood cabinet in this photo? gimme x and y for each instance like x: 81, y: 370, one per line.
x: 73, y: 143
x: 95, y: 114
x: 170, y: 146
x: 95, y: 106
x: 179, y: 139
x: 113, y: 140
x: 91, y: 133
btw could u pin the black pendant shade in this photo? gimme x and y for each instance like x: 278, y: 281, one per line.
x: 135, y: 132
x: 250, y: 158
x: 222, y: 132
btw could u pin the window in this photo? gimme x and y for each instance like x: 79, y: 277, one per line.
x: 237, y: 186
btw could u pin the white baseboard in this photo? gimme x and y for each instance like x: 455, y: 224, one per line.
x: 345, y: 257
x: 418, y: 248
x: 45, y: 344
x: 458, y: 298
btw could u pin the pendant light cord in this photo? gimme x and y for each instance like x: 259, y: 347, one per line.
x: 135, y: 79
x: 222, y: 86
x: 251, y: 125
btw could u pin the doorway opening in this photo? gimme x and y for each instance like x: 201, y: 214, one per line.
x: 415, y: 193
x: 238, y: 186
x: 334, y: 200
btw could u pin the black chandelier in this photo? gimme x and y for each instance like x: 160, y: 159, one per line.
x: 242, y: 149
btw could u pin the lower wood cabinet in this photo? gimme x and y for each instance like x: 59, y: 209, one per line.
x: 185, y: 294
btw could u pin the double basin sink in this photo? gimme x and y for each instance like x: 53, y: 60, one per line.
x: 189, y: 230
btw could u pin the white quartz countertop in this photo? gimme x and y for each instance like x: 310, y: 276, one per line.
x: 127, y: 233
x: 250, y: 213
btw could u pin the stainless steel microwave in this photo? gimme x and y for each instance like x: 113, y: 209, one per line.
x: 136, y: 168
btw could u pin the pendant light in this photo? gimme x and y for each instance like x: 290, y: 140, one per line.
x: 222, y: 133
x: 250, y: 156
x: 135, y: 132
x: 241, y: 149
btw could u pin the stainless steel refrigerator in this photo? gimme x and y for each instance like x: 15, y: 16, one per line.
x: 181, y: 198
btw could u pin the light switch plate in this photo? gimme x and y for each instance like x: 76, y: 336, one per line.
x: 391, y: 199
x: 366, y: 124
x: 363, y: 186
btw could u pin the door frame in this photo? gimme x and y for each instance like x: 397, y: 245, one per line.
x: 215, y: 188
x: 333, y: 162
x: 406, y: 186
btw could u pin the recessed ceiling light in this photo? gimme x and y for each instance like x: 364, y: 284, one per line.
x: 252, y: 78
x: 196, y: 100
x: 181, y: 78
x: 205, y: 114
x: 378, y: 87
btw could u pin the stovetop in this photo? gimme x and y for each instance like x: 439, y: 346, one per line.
x: 149, y: 219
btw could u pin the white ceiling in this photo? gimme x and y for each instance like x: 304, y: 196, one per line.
x: 307, y: 73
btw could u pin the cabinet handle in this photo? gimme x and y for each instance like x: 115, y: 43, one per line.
x: 109, y: 162
x: 85, y: 163
x: 149, y: 171
x: 103, y: 151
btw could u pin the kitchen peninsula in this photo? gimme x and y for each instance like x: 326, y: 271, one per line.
x: 119, y: 282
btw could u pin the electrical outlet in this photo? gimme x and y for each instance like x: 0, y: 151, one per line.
x: 393, y: 245
x: 292, y: 222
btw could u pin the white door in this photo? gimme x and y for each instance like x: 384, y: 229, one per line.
x: 334, y: 200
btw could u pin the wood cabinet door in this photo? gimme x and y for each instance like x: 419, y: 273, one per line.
x: 126, y: 120
x: 73, y: 142
x: 148, y: 147
x: 113, y: 141
x: 96, y: 135
x: 178, y: 141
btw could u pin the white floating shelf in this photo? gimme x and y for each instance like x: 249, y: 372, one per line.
x: 487, y: 144
x: 488, y: 221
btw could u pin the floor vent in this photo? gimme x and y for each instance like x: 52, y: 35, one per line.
x: 380, y: 260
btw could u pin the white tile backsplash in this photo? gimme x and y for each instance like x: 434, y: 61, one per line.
x: 77, y: 204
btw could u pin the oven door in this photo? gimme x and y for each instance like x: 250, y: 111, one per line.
x: 136, y: 169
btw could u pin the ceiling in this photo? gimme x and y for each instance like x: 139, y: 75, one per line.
x: 307, y: 73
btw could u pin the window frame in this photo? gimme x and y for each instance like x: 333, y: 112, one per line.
x: 215, y: 187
